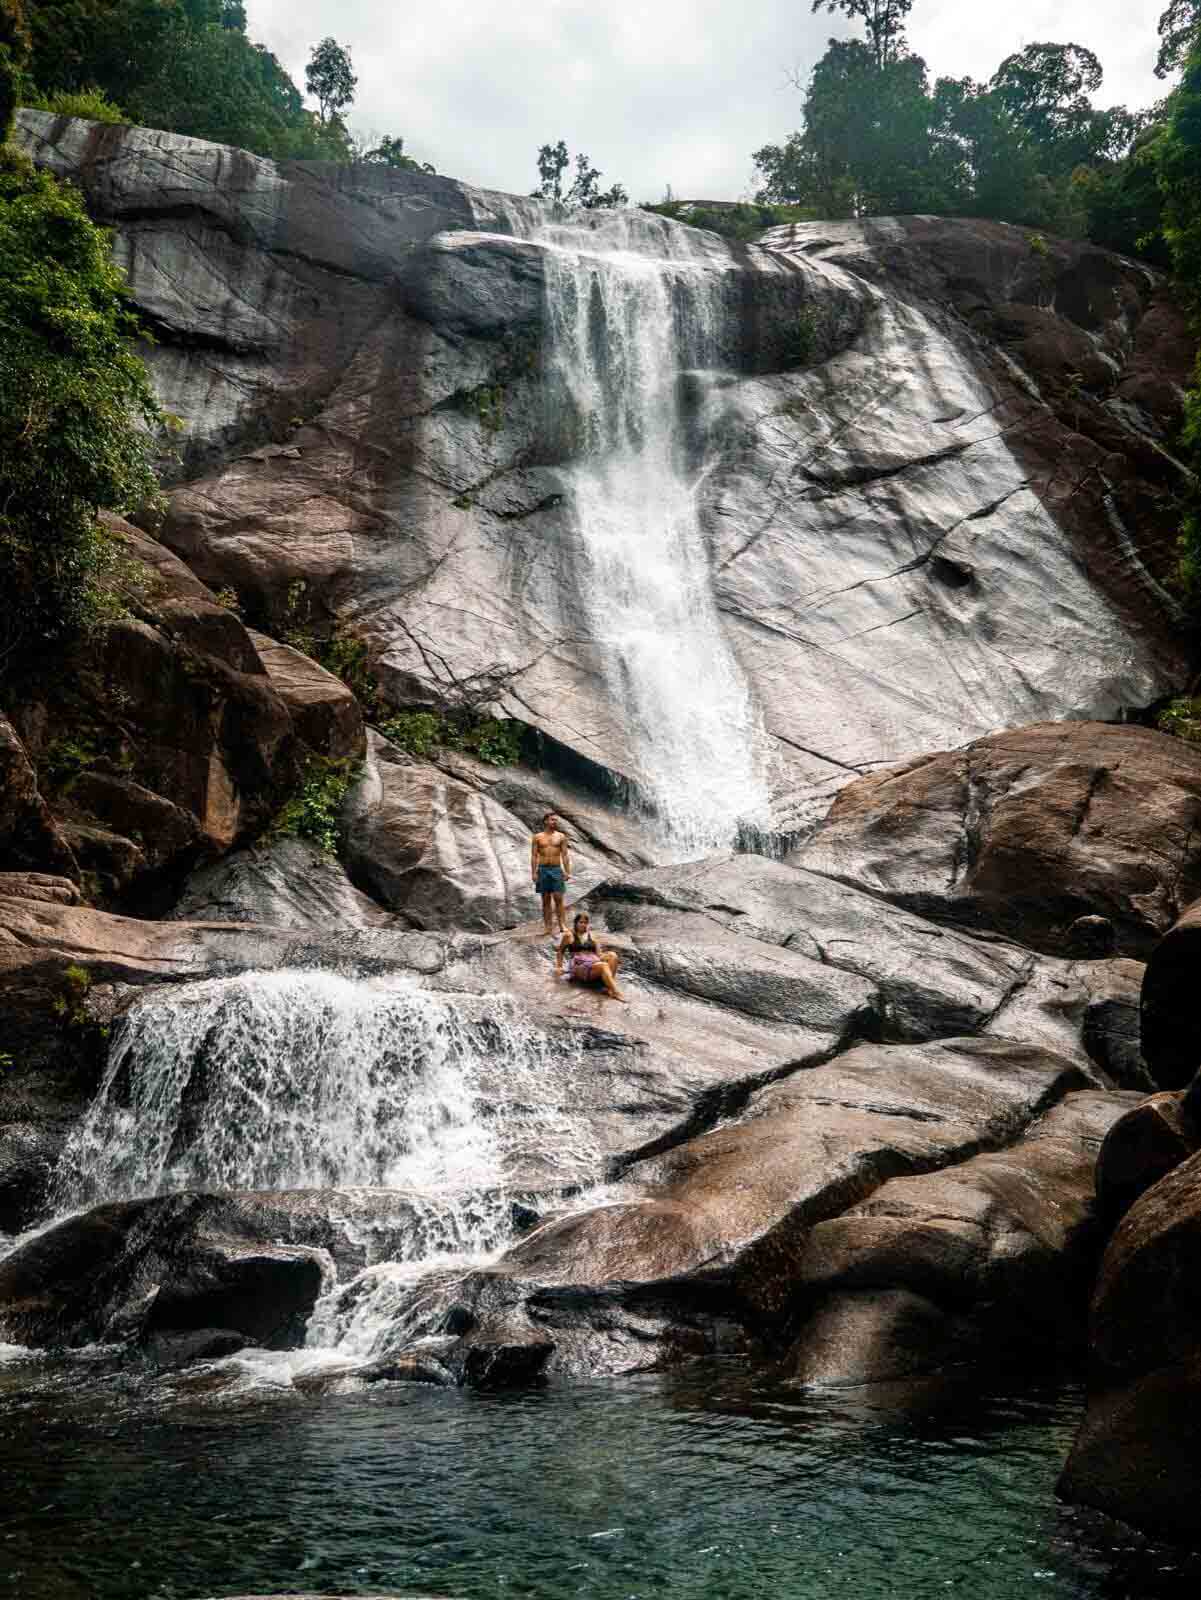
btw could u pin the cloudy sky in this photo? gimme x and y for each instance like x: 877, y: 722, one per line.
x: 657, y: 92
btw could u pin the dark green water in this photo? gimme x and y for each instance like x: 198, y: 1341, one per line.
x: 116, y: 1488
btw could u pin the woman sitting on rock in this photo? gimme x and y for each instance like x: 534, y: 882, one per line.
x: 587, y: 961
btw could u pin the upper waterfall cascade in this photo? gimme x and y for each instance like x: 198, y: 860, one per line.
x: 304, y: 1078
x: 633, y: 340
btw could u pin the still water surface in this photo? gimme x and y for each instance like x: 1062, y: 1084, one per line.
x: 226, y: 1481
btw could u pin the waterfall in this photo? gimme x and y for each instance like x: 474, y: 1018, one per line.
x: 634, y: 336
x: 307, y: 1079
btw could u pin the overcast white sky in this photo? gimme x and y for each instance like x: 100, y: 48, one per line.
x: 657, y: 92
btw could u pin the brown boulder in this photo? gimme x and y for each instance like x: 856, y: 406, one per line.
x: 432, y: 848
x: 29, y: 838
x: 993, y: 1256
x: 1141, y: 1148
x: 703, y: 1243
x: 1169, y: 1019
x: 1138, y: 1453
x: 39, y: 886
x: 1025, y: 832
x: 175, y: 733
x: 324, y: 711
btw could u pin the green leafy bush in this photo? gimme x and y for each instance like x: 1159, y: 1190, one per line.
x: 1182, y: 718
x: 91, y: 104
x: 741, y: 221
x: 489, y: 739
x: 78, y: 418
x: 314, y: 811
x: 343, y: 654
x: 70, y: 1004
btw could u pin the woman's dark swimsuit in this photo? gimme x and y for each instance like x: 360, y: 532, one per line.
x: 584, y: 959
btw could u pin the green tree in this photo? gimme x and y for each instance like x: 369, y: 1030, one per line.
x: 883, y: 22
x: 584, y: 189
x: 1178, y: 153
x: 1123, y: 201
x: 14, y: 52
x: 1045, y: 88
x: 77, y: 414
x: 1179, y: 31
x: 386, y: 151
x: 330, y: 79
x: 867, y: 145
x: 183, y: 65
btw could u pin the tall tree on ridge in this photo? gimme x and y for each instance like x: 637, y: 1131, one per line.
x: 884, y: 21
x: 329, y: 78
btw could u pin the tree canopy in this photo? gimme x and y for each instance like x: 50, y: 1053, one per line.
x: 330, y: 79
x: 584, y: 189
x: 876, y: 136
x: 187, y: 66
x: 883, y: 22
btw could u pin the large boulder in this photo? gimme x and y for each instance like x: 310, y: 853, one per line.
x: 325, y: 713
x: 1137, y: 1455
x: 990, y: 1261
x: 162, y: 739
x: 1142, y: 1147
x: 176, y: 733
x: 699, y: 1246
x: 1170, y: 1024
x: 30, y: 840
x: 285, y: 883
x: 145, y: 1270
x: 1024, y: 832
x: 432, y: 848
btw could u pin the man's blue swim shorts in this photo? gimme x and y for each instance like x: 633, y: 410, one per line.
x: 550, y: 881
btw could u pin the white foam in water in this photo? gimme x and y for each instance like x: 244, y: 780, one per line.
x: 307, y: 1079
x: 623, y: 326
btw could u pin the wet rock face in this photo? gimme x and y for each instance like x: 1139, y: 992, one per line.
x: 433, y: 848
x: 149, y: 1271
x: 883, y: 573
x: 842, y: 1196
x: 1026, y: 832
x: 287, y: 883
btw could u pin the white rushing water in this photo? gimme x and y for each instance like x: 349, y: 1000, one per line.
x: 307, y: 1079
x: 630, y: 331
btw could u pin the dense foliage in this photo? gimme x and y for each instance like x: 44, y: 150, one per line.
x: 740, y: 220
x: 77, y: 414
x: 879, y: 137
x: 190, y: 67
x: 14, y: 51
x: 1178, y: 155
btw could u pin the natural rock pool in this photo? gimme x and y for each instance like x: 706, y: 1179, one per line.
x: 230, y: 1479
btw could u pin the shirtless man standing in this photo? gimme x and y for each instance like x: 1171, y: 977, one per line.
x: 550, y: 868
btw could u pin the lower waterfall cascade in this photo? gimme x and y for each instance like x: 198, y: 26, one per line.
x: 304, y: 1078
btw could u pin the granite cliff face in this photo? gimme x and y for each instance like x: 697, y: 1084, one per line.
x: 849, y: 547
x: 928, y: 461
